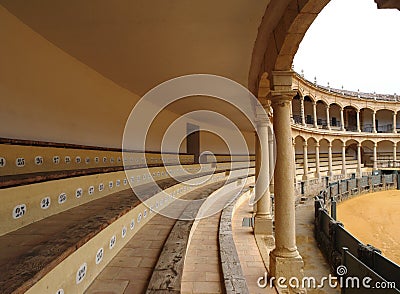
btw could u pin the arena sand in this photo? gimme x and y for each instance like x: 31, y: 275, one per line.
x: 374, y: 219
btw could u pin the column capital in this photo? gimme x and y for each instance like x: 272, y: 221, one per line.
x: 282, y: 97
x: 344, y: 144
x: 330, y: 144
x: 375, y: 144
x: 316, y: 144
x: 314, y: 103
x: 305, y: 144
x: 359, y: 145
x: 394, y: 113
x: 394, y: 144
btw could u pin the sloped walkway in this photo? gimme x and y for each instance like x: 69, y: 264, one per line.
x: 246, y: 246
x: 315, y: 264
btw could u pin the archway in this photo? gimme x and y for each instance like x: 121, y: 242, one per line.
x: 384, y: 121
x: 350, y: 119
x: 366, y: 120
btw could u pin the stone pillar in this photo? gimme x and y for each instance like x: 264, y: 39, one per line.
x: 394, y: 122
x: 315, y: 114
x: 373, y: 121
x: 344, y: 171
x: 359, y: 159
x: 294, y: 158
x: 317, y: 168
x: 358, y: 121
x: 394, y: 154
x: 271, y: 158
x: 303, y: 118
x: 263, y: 219
x: 291, y: 112
x: 330, y: 169
x: 342, y: 119
x: 285, y: 260
x: 305, y: 161
x: 328, y: 120
x: 375, y: 167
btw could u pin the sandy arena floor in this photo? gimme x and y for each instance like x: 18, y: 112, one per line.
x: 374, y: 219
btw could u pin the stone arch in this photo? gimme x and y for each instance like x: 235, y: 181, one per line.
x: 335, y: 115
x: 308, y: 110
x: 283, y: 27
x: 351, y: 147
x: 384, y: 121
x: 296, y: 108
x: 350, y: 118
x: 321, y: 113
x: 366, y: 117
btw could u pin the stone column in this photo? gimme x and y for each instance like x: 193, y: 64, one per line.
x: 263, y: 219
x: 373, y: 121
x: 359, y: 159
x: 344, y: 171
x: 315, y: 114
x: 394, y: 122
x: 271, y: 158
x: 330, y: 172
x: 328, y: 120
x: 285, y: 260
x: 317, y: 168
x: 342, y: 119
x: 305, y: 161
x: 375, y: 167
x: 291, y: 112
x: 294, y: 158
x: 394, y: 154
x: 303, y: 118
x: 358, y: 121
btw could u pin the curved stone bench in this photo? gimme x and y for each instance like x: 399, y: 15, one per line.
x: 70, y: 231
x: 234, y: 279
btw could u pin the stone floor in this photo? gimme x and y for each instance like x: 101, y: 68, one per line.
x: 249, y: 255
x: 315, y: 264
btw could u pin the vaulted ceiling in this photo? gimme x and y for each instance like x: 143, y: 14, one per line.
x: 139, y: 44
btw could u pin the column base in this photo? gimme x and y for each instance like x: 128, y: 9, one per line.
x: 288, y: 273
x: 263, y: 225
x: 305, y: 177
x: 317, y: 175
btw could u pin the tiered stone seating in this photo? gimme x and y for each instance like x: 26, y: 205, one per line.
x: 63, y: 219
x: 351, y: 164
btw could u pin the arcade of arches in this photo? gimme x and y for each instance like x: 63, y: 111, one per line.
x: 71, y: 72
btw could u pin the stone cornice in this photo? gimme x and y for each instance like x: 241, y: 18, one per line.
x: 322, y: 93
x: 343, y: 135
